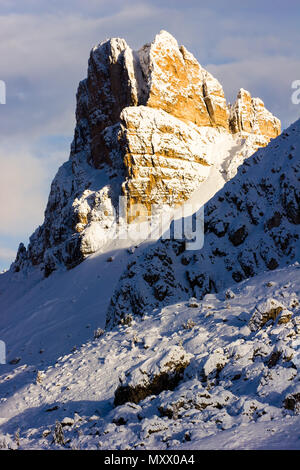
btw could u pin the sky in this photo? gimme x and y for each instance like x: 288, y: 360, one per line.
x: 44, y: 49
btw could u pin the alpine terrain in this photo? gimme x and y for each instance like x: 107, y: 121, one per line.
x: 122, y: 336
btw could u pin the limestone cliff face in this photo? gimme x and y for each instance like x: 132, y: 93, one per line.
x: 150, y: 125
x: 164, y: 157
x: 161, y: 75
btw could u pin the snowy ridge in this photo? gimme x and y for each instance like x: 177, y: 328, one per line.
x: 251, y: 225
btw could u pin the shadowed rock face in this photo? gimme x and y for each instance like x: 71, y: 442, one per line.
x: 292, y: 401
x: 134, y: 394
x: 111, y: 87
x: 146, y: 126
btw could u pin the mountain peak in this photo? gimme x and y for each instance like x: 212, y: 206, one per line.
x: 166, y: 37
x: 151, y: 125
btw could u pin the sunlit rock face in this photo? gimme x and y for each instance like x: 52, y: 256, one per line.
x: 175, y: 82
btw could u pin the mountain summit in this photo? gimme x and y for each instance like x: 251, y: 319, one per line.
x: 150, y: 126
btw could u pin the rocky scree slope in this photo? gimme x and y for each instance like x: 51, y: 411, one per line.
x: 149, y: 126
x: 216, y: 373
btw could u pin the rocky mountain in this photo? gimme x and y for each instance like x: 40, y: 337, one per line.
x: 249, y: 114
x: 149, y: 344
x: 150, y: 126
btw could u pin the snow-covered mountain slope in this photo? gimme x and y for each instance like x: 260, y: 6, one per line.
x: 69, y: 305
x: 235, y: 374
x: 251, y: 225
x: 63, y: 305
x: 42, y: 319
x: 150, y: 125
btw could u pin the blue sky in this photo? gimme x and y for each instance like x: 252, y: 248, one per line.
x: 44, y: 48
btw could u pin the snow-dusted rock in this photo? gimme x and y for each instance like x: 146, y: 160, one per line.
x: 175, y: 404
x: 292, y: 399
x: 67, y: 421
x: 267, y: 310
x: 215, y: 362
x: 160, y: 372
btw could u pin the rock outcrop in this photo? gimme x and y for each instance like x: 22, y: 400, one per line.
x: 150, y: 125
x: 249, y: 115
x: 165, y: 158
x: 161, y: 372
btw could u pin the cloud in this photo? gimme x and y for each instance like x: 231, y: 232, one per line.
x: 23, y: 192
x: 7, y: 254
x: 254, y: 75
x: 43, y: 57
